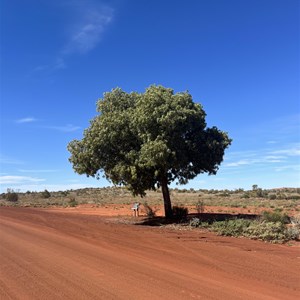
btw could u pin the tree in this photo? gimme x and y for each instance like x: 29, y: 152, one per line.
x: 147, y: 140
x: 46, y: 194
x: 12, y: 195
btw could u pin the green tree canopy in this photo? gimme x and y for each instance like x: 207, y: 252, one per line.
x: 147, y: 140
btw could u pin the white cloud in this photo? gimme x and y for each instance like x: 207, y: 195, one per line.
x: 26, y: 120
x: 289, y: 167
x: 295, y: 151
x: 86, y: 22
x: 38, y: 171
x: 87, y: 33
x: 66, y: 128
x: 10, y: 179
x: 239, y: 163
x: 256, y: 160
x: 262, y: 156
x: 10, y: 161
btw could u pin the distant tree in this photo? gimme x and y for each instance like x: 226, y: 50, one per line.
x: 12, y: 195
x: 147, y: 140
x: 46, y: 194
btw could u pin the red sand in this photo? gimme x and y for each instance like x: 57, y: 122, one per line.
x: 57, y: 254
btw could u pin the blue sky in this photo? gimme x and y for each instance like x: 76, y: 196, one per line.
x: 239, y: 58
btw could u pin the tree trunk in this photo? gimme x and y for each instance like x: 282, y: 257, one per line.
x: 167, y: 200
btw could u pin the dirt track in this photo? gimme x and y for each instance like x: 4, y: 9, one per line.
x: 56, y: 255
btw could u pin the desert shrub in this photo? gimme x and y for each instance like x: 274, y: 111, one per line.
x: 149, y: 210
x: 64, y: 193
x: 292, y: 233
x: 231, y: 227
x: 180, y: 213
x: 245, y: 195
x: 195, y: 222
x: 72, y: 202
x: 275, y: 232
x: 260, y: 193
x: 275, y: 216
x: 294, y: 197
x: 200, y: 206
x: 12, y: 196
x: 46, y: 194
x: 266, y: 231
x: 272, y: 196
x: 224, y: 194
x: 295, y: 220
x: 281, y: 196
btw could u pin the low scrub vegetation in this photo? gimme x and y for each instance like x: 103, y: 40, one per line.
x: 72, y: 202
x: 12, y: 196
x: 46, y: 194
x: 279, y: 208
x: 271, y: 227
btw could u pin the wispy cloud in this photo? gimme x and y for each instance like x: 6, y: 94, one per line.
x: 289, y: 167
x: 262, y: 156
x: 10, y: 179
x: 26, y: 120
x: 86, y: 26
x: 57, y: 64
x: 264, y: 159
x: 66, y: 128
x: 9, y: 160
x: 87, y: 33
x: 38, y: 171
x: 239, y: 163
x: 293, y: 151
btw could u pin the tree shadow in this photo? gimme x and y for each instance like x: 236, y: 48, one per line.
x: 212, y: 217
x: 155, y: 221
x: 203, y: 217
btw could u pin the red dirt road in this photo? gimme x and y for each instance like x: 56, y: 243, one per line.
x: 55, y: 255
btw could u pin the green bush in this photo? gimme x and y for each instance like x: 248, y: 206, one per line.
x: 292, y: 233
x: 295, y: 220
x: 266, y: 231
x: 245, y: 195
x: 231, y: 227
x: 12, y: 197
x: 275, y: 217
x: 195, y: 222
x: 275, y: 232
x: 294, y: 197
x: 46, y: 194
x: 73, y: 202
